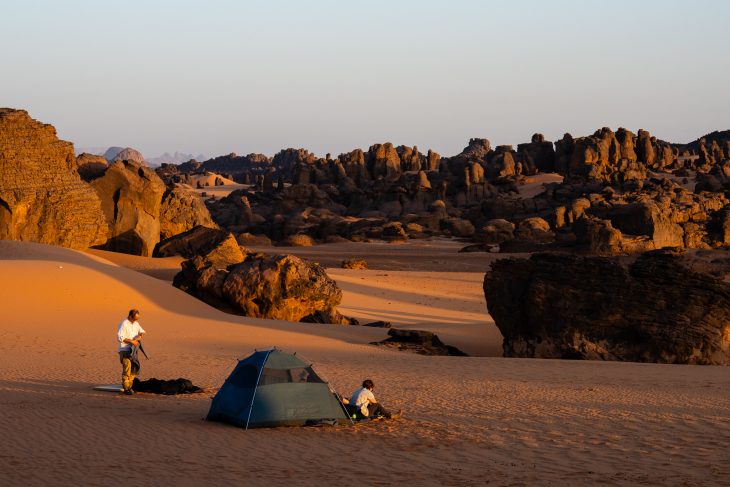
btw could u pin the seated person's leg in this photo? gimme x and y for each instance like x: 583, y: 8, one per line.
x: 376, y: 410
x: 353, y: 411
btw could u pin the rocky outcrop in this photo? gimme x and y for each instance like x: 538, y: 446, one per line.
x: 279, y: 287
x: 646, y: 218
x: 664, y: 306
x: 605, y: 157
x: 42, y: 197
x: 182, y: 210
x: 131, y: 195
x: 598, y: 236
x: 538, y: 154
x: 90, y: 166
x: 502, y: 164
x: 250, y: 240
x: 477, y: 149
x: 357, y: 264
x: 214, y: 243
x: 497, y: 231
x: 385, y: 161
x: 417, y: 341
x: 299, y: 240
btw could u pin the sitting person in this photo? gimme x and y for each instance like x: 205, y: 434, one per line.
x: 363, y: 405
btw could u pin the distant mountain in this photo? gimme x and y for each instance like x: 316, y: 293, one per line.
x: 126, y: 154
x: 112, y: 152
x: 96, y: 150
x: 176, y: 158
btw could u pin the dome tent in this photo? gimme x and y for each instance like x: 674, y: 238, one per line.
x: 274, y: 388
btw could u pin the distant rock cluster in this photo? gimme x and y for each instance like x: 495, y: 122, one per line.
x: 621, y: 192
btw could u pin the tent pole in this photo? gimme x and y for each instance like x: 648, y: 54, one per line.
x: 253, y: 398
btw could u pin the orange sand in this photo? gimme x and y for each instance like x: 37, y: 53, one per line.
x: 468, y: 421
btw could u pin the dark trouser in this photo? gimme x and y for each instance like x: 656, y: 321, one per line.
x: 376, y: 410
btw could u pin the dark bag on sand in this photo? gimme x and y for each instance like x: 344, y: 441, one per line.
x: 166, y: 387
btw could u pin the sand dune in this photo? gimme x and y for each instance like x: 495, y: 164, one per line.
x: 534, y: 185
x: 417, y: 300
x: 469, y: 421
x: 450, y: 304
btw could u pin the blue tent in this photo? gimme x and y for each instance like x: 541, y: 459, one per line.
x: 274, y: 388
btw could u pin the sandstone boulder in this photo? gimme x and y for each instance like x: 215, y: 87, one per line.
x: 502, y: 165
x: 478, y: 149
x: 646, y: 218
x: 534, y: 229
x: 131, y: 195
x: 90, y: 166
x: 720, y: 226
x: 458, y: 227
x: 393, y: 231
x: 497, y: 231
x: 539, y: 153
x: 354, y: 264
x: 660, y: 307
x: 299, y: 240
x: 250, y: 240
x: 384, y: 161
x: 182, y: 210
x: 279, y: 287
x: 212, y: 242
x: 418, y: 341
x: 598, y: 236
x: 42, y: 197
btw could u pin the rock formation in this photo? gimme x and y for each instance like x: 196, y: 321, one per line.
x: 180, y: 211
x: 42, y: 198
x: 357, y: 264
x: 90, y: 166
x: 280, y: 287
x: 131, y: 195
x: 621, y: 193
x: 663, y: 306
x: 417, y: 341
x: 202, y: 241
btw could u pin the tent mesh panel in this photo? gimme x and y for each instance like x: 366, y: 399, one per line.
x: 297, y: 375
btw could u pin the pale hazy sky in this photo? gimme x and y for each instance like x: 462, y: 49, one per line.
x: 235, y: 76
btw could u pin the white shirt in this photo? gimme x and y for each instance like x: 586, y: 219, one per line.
x: 361, y: 398
x: 129, y: 330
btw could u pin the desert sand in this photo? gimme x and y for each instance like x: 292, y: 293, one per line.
x: 468, y: 420
x: 534, y: 185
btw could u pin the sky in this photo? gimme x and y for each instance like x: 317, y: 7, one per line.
x: 216, y: 77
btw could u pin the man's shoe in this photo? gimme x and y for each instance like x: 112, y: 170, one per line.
x: 129, y: 392
x: 396, y: 414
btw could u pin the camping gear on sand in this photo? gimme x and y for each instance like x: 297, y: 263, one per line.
x: 155, y: 386
x: 166, y: 387
x: 274, y: 388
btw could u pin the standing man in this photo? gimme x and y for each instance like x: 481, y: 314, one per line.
x: 129, y: 334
